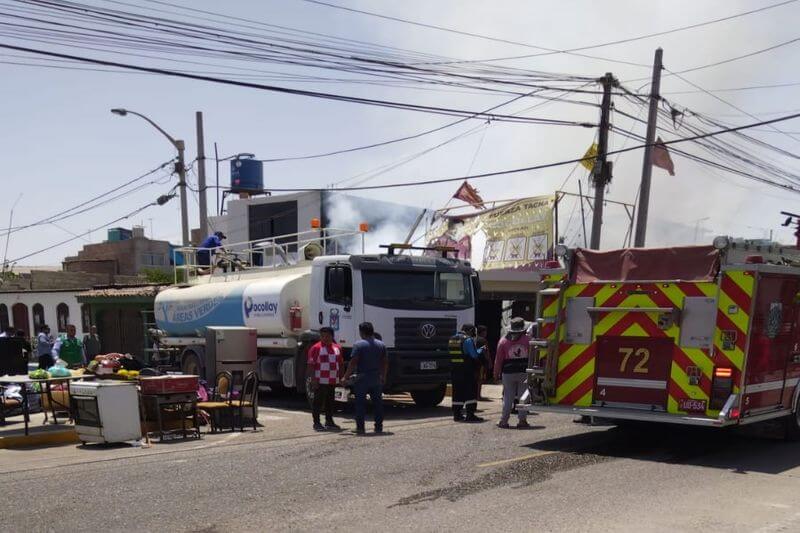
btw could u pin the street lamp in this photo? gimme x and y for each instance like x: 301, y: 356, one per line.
x: 180, y: 167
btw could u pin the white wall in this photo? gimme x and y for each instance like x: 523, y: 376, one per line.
x: 49, y: 301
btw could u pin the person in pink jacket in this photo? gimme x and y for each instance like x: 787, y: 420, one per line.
x: 510, y: 363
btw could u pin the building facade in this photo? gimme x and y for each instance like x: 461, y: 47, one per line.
x: 125, y: 252
x: 29, y: 310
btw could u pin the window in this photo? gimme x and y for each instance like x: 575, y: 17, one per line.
x: 153, y: 259
x: 38, y: 317
x: 4, y: 323
x: 417, y: 289
x: 339, y: 285
x: 62, y: 315
x: 86, y: 318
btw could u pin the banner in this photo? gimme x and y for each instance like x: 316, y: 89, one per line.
x: 516, y: 235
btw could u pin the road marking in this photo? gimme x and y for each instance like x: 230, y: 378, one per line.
x: 515, y: 459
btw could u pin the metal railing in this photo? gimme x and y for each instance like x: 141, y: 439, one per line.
x: 261, y: 254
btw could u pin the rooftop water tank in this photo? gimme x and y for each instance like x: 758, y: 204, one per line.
x: 247, y: 174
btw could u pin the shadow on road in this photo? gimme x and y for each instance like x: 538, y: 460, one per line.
x: 740, y: 450
x: 395, y: 406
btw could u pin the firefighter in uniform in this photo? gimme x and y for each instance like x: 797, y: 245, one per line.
x: 510, y: 364
x: 464, y: 362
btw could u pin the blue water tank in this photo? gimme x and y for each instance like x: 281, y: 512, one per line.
x: 247, y: 174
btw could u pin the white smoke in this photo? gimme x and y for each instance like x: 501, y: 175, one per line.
x: 388, y: 223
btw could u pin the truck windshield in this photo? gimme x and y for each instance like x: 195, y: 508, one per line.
x: 417, y: 290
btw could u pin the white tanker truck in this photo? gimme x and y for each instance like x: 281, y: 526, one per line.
x: 415, y: 302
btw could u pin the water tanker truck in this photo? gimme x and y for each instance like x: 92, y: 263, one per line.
x: 414, y: 302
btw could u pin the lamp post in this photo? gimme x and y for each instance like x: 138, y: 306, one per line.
x: 180, y: 167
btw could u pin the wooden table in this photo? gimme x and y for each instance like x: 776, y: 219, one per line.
x: 25, y: 383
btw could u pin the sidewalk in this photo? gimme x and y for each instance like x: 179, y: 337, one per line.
x: 12, y: 434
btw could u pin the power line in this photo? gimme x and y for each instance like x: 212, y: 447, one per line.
x: 470, y: 34
x: 66, y: 213
x: 626, y: 40
x: 81, y: 235
x: 314, y: 94
x: 551, y: 165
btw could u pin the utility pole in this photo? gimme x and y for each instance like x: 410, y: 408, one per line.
x: 647, y: 165
x: 602, y: 168
x: 180, y: 168
x: 201, y: 176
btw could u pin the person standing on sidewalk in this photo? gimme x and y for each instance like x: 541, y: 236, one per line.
x: 369, y: 362
x: 69, y: 348
x: 44, y: 348
x: 465, y: 358
x: 510, y: 363
x: 91, y: 344
x: 323, y: 369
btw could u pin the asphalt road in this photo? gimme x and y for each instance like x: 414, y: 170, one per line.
x: 427, y: 474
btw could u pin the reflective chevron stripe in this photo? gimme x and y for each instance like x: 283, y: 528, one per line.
x: 575, y: 378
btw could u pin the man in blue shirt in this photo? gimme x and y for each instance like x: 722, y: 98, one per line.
x: 465, y: 359
x: 208, y: 246
x: 369, y: 362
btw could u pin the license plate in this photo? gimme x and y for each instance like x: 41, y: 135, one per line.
x: 340, y: 394
x: 428, y: 365
x: 692, y: 406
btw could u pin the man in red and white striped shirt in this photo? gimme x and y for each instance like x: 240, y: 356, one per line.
x: 324, y: 366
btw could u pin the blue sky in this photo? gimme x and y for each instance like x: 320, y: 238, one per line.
x: 61, y: 145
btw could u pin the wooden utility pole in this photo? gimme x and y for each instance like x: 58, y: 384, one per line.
x: 602, y: 168
x: 647, y: 165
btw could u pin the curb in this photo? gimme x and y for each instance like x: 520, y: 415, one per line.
x: 50, y: 438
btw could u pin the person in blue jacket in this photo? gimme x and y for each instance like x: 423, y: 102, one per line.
x: 211, y: 243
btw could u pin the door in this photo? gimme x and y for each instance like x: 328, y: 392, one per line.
x: 336, y: 309
x: 772, y: 340
x: 633, y: 372
x: 19, y: 312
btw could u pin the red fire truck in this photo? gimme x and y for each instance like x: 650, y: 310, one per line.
x: 700, y: 335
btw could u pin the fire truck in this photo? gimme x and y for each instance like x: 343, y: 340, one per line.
x: 697, y: 335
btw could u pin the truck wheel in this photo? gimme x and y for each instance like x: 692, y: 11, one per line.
x: 429, y: 397
x: 190, y: 364
x: 793, y: 424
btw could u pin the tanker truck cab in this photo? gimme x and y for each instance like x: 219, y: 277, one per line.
x: 415, y: 303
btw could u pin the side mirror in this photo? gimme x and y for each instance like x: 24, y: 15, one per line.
x: 476, y: 285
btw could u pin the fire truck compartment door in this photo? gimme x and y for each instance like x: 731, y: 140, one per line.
x: 633, y: 372
x: 579, y: 323
x: 697, y: 322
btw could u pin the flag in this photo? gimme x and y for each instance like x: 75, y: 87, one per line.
x: 468, y: 193
x: 589, y: 157
x: 661, y: 157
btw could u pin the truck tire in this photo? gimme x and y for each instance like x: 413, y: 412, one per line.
x: 792, y: 432
x: 429, y: 397
x: 190, y: 364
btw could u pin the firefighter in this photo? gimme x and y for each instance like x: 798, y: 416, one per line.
x: 510, y: 364
x: 465, y: 358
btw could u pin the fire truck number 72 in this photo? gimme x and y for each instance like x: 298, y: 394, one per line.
x: 641, y: 366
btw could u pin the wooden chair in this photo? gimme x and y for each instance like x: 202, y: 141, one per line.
x: 219, y: 407
x: 247, y: 404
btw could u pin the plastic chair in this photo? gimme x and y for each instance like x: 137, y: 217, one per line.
x: 247, y: 402
x: 219, y: 407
